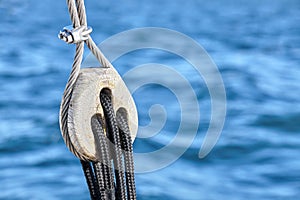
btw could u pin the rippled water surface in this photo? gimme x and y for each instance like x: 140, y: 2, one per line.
x: 256, y: 46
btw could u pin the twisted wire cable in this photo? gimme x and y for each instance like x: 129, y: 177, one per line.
x: 97, y: 53
x: 73, y: 13
x: 67, y: 97
x: 81, y: 12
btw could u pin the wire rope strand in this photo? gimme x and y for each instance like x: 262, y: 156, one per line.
x: 97, y: 53
x: 81, y: 12
x: 73, y: 13
x: 78, y: 17
x: 67, y: 97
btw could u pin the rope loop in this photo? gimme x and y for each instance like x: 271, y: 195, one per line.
x: 110, y: 171
x: 78, y: 34
x: 81, y: 32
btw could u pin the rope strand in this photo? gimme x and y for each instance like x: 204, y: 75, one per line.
x: 73, y: 13
x: 67, y: 97
x: 97, y: 53
x: 114, y: 136
x: 90, y: 179
x: 128, y: 158
x: 103, y: 151
x: 81, y: 12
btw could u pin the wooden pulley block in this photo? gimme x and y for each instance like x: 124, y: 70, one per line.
x: 85, y: 103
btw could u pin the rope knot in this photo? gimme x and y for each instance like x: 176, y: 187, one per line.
x: 74, y: 35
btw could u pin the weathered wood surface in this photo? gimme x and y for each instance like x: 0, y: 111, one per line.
x: 85, y: 102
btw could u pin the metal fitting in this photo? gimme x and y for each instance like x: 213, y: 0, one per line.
x: 74, y: 35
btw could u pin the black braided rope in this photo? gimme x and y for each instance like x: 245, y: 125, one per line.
x: 104, y: 156
x: 114, y: 136
x: 126, y: 144
x: 90, y: 179
x: 117, y: 157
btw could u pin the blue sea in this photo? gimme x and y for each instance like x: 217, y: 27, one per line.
x: 256, y: 47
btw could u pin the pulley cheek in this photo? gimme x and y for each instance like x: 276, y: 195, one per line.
x: 85, y: 103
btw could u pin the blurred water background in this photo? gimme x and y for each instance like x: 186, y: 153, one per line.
x: 255, y: 44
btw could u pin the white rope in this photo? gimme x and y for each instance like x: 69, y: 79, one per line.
x: 97, y: 53
x: 81, y: 17
x: 73, y: 13
x: 78, y: 17
x: 81, y: 12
